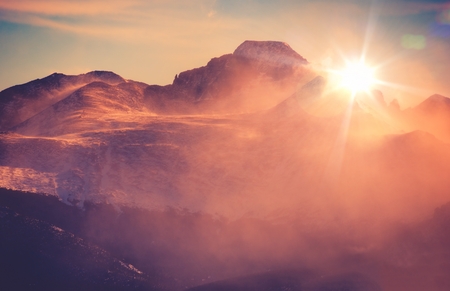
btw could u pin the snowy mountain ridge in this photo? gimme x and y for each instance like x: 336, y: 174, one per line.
x: 234, y: 137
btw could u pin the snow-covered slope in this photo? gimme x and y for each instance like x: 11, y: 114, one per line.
x: 232, y: 165
x: 89, y: 108
x: 21, y: 102
x: 104, y: 143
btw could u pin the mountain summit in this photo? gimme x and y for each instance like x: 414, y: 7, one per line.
x: 257, y: 76
x: 434, y: 103
x: 271, y: 51
x: 21, y: 102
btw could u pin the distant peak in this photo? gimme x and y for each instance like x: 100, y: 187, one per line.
x: 379, y: 98
x: 439, y: 98
x: 253, y: 49
x: 263, y: 43
x: 418, y: 135
x: 107, y: 76
x: 55, y: 74
x: 103, y: 74
x: 434, y: 102
x: 394, y: 106
x: 51, y: 78
x: 314, y: 87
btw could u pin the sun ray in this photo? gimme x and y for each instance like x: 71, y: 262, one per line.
x: 370, y: 28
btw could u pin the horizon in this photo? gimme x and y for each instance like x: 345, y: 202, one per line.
x: 152, y: 42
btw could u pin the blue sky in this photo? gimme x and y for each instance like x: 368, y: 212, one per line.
x: 151, y: 41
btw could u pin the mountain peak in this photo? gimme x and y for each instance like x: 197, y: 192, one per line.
x: 269, y: 51
x: 21, y: 102
x: 434, y: 102
x: 55, y: 74
x: 438, y: 98
x: 106, y: 75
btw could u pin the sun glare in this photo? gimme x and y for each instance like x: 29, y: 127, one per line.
x: 357, y: 77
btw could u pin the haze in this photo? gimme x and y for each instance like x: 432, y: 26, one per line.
x: 224, y: 145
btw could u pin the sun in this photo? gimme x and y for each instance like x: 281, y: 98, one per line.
x: 357, y: 77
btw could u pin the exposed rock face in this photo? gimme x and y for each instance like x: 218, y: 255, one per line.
x: 258, y: 75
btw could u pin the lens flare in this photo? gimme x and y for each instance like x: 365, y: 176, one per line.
x: 357, y: 77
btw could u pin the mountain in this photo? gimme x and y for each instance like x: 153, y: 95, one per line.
x: 431, y: 115
x: 21, y: 102
x: 87, y: 108
x: 230, y: 177
x: 257, y: 76
x: 302, y: 99
x: 434, y: 104
x: 233, y: 83
x: 109, y: 140
x: 104, y: 142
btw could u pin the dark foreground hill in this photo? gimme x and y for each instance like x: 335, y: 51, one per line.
x: 50, y: 245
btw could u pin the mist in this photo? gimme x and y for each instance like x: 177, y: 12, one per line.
x: 255, y: 193
x: 245, y: 171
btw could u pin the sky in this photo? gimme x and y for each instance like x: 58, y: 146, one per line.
x: 151, y: 41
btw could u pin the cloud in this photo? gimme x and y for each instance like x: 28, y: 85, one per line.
x: 135, y: 20
x: 91, y: 18
x: 67, y: 7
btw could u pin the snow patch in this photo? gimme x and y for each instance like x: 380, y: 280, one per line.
x: 57, y: 228
x: 131, y: 267
x: 27, y: 179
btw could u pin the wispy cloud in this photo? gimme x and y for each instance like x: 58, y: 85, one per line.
x: 67, y: 7
x: 130, y: 20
